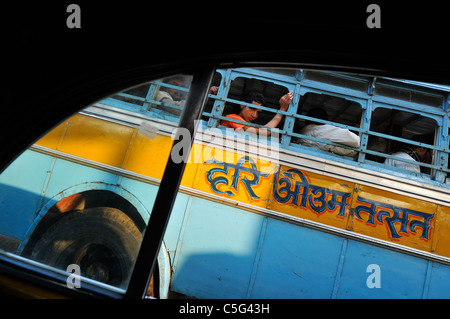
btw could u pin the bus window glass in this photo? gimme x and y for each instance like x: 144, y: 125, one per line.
x: 336, y: 79
x: 79, y: 198
x: 163, y: 99
x: 398, y: 91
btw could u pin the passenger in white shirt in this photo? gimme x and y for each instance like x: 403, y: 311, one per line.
x: 174, y: 96
x: 328, y: 132
x: 171, y: 95
x: 413, y: 153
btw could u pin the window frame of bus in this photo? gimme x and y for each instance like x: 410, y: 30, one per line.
x: 365, y: 98
x: 436, y: 113
x: 147, y: 101
x: 437, y: 150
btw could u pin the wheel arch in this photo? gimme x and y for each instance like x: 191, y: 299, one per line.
x: 96, y: 194
x: 85, y: 195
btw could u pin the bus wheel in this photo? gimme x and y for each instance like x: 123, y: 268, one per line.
x: 102, y: 241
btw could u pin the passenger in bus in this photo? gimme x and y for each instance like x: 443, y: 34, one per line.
x: 414, y: 153
x: 250, y: 114
x: 175, y: 96
x: 329, y: 133
x: 172, y: 96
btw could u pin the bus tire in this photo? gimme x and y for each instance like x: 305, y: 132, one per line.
x: 102, y: 241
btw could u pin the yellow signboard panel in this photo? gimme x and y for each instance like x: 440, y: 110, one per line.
x: 144, y: 150
x: 236, y: 176
x: 393, y: 217
x: 441, y: 244
x: 312, y: 196
x: 103, y: 141
x: 90, y: 138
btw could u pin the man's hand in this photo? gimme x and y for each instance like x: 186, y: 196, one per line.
x: 285, y: 100
x: 213, y: 90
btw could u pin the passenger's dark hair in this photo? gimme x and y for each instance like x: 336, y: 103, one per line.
x: 317, y: 113
x: 255, y: 97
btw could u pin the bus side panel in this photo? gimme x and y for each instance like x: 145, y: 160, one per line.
x: 21, y: 187
x: 176, y: 225
x: 97, y: 140
x: 296, y: 262
x: 439, y: 282
x: 146, y: 193
x: 374, y: 272
x: 218, y: 251
x: 442, y: 233
x: 66, y: 174
x: 148, y: 155
x: 143, y: 192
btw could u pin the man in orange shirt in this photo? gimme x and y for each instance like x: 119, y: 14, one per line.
x: 249, y: 114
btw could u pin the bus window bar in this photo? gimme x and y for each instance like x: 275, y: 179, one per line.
x: 179, y: 88
x: 224, y: 118
x: 164, y: 104
x: 409, y: 142
x: 151, y: 102
x: 349, y: 127
x: 436, y: 167
x: 316, y: 139
x: 132, y: 97
x: 260, y: 107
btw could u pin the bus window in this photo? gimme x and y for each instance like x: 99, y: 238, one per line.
x: 162, y: 98
x: 271, y: 93
x: 170, y: 94
x: 398, y: 91
x: 402, y: 134
x: 331, y: 110
x: 338, y: 80
x: 135, y: 95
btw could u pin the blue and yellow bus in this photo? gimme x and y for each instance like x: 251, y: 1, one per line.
x: 255, y: 216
